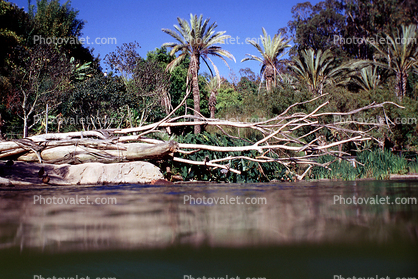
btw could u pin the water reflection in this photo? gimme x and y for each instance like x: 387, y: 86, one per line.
x: 148, y: 216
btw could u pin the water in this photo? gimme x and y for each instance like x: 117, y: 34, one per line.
x: 298, y: 230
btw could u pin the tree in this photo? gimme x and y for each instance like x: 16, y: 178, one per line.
x: 271, y: 52
x: 317, y: 69
x: 43, y: 79
x: 151, y: 85
x: 51, y: 19
x: 316, y: 26
x: 365, y: 19
x: 368, y: 78
x: 196, y: 40
x: 54, y: 19
x: 213, y: 86
x: 399, y: 53
x: 15, y: 30
x: 124, y: 60
x: 96, y: 103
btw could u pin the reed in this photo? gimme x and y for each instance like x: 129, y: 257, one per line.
x: 376, y: 164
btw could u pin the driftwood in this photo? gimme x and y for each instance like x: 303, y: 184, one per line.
x: 87, y: 150
x: 279, y: 134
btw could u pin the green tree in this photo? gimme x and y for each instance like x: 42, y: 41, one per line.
x: 196, y: 40
x: 316, y: 26
x: 15, y: 29
x: 367, y: 78
x: 316, y: 69
x: 399, y: 53
x: 42, y: 81
x: 366, y: 19
x: 271, y: 51
x: 52, y: 19
x: 213, y: 86
x: 151, y: 84
x: 95, y: 103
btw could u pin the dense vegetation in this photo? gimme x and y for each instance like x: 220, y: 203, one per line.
x: 356, y: 52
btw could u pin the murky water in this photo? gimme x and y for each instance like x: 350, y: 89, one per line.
x: 299, y: 230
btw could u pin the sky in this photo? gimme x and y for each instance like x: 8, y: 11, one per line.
x: 126, y: 21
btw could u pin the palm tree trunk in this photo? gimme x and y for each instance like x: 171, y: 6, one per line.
x: 194, y: 70
x: 404, y: 82
x: 212, y: 104
x: 269, y: 77
x: 398, y: 85
x: 401, y: 80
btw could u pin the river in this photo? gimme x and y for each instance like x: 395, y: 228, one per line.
x: 329, y: 229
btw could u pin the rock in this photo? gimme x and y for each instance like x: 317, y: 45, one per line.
x: 161, y: 182
x: 116, y: 173
x: 27, y: 174
x: 175, y: 178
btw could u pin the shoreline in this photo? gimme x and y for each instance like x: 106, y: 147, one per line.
x: 7, y: 183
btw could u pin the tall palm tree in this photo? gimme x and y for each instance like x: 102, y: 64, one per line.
x: 271, y: 51
x: 317, y: 69
x: 196, y: 40
x: 213, y: 86
x: 399, y: 53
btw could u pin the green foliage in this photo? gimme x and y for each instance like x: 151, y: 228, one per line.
x: 97, y: 100
x: 250, y: 171
x: 376, y: 164
x: 271, y: 51
x: 51, y: 19
x: 316, y: 69
x: 197, y: 38
x: 54, y: 19
x: 229, y: 99
x: 315, y: 26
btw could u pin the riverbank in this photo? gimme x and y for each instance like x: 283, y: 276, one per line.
x: 35, y: 174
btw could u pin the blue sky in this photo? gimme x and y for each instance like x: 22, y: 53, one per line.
x: 141, y: 21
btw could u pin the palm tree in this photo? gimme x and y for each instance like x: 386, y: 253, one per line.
x: 272, y: 50
x: 400, y: 54
x: 213, y: 86
x: 196, y: 40
x: 317, y: 69
x: 367, y: 78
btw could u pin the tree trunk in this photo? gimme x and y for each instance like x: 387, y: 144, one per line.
x: 401, y: 81
x: 84, y: 154
x: 25, y: 126
x: 268, y: 74
x: 1, y: 127
x: 404, y: 82
x: 194, y: 70
x: 212, y: 104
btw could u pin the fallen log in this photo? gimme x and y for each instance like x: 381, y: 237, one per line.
x: 279, y: 135
x: 76, y: 154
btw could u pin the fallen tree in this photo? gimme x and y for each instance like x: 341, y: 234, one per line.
x: 278, y: 136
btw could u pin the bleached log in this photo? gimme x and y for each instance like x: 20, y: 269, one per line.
x: 68, y: 136
x: 82, y: 154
